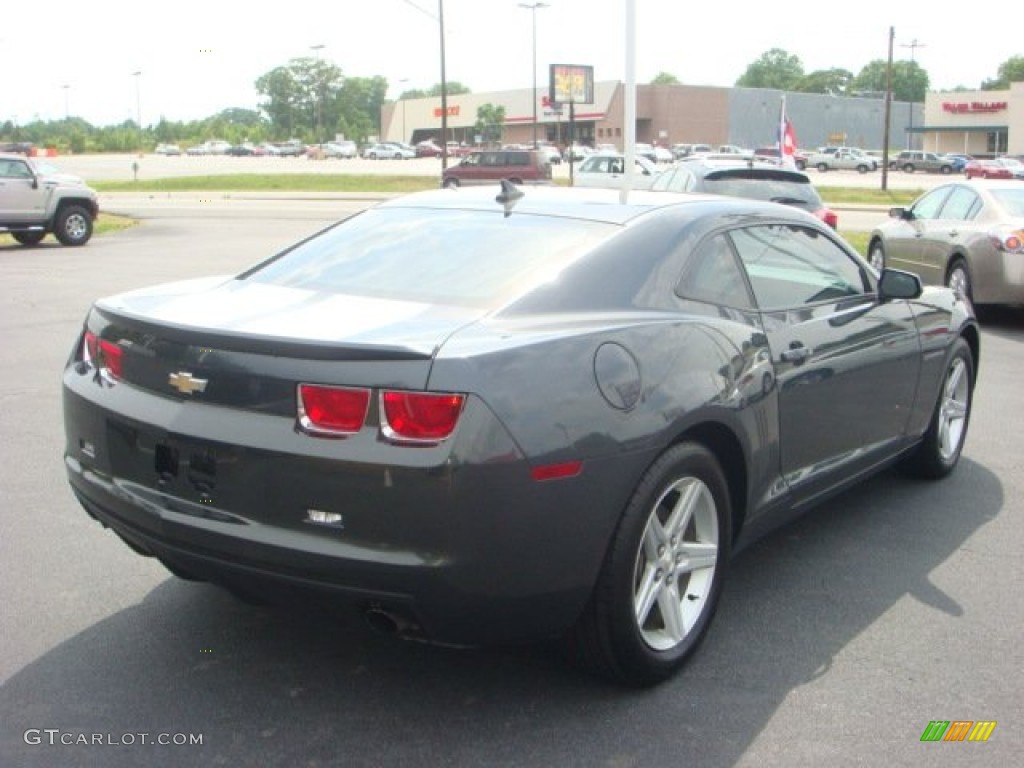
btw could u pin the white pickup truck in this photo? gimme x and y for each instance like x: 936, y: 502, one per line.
x: 842, y: 158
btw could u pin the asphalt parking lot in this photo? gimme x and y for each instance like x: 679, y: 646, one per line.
x: 838, y: 640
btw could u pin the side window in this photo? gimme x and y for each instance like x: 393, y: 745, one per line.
x: 928, y: 206
x: 962, y: 205
x: 713, y: 275
x: 15, y: 169
x: 792, y: 266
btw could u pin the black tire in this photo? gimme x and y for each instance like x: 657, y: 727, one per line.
x: 73, y: 225
x: 908, y: 168
x: 674, y: 537
x: 946, y: 170
x: 822, y: 167
x: 876, y: 255
x: 958, y: 277
x: 801, y: 165
x: 29, y: 238
x: 862, y: 169
x: 450, y: 183
x: 940, y: 448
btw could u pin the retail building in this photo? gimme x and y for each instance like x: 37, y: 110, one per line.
x: 666, y: 115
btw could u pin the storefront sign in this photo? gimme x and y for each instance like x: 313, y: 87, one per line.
x: 963, y: 107
x: 453, y: 111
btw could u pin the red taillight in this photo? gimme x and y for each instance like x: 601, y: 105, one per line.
x: 332, y: 410
x: 104, y: 355
x: 1008, y: 240
x: 830, y: 217
x: 419, y: 417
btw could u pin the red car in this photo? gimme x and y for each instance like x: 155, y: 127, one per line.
x: 987, y: 169
x: 427, y: 149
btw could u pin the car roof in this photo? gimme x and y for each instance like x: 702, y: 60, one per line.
x: 593, y: 204
x: 747, y: 169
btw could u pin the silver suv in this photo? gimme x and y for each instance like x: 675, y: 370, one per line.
x: 36, y: 199
x: 911, y: 160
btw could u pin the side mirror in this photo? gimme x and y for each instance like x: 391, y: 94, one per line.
x: 897, y: 284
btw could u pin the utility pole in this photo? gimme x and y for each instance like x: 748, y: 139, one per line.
x: 913, y: 45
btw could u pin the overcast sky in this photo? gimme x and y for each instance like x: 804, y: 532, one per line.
x: 196, y: 58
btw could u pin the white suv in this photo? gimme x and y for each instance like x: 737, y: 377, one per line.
x: 35, y: 200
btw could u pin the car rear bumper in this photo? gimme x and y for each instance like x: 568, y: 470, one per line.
x: 468, y: 550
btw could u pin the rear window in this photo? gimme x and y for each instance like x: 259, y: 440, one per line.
x: 471, y: 258
x: 1011, y: 199
x: 776, y: 188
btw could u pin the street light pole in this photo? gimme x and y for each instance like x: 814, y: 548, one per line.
x: 402, y: 97
x: 319, y: 108
x: 532, y: 7
x: 138, y: 105
x: 912, y: 45
x: 67, y: 111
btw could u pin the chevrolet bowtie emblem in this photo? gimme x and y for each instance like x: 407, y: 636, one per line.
x: 185, y: 383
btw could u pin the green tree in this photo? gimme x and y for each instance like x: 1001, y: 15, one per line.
x: 454, y: 89
x: 1010, y: 71
x: 833, y: 82
x: 490, y: 122
x: 664, y: 78
x: 774, y: 69
x: 909, y: 80
x: 355, y: 108
x: 299, y: 95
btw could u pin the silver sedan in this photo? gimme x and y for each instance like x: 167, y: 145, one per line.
x: 968, y: 235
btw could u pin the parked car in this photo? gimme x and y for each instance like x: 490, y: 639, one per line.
x: 772, y: 154
x: 749, y: 179
x: 987, y: 169
x: 520, y: 166
x: 967, y: 235
x: 388, y: 151
x: 217, y: 147
x: 241, y: 150
x: 428, y: 149
x: 646, y: 151
x: 291, y: 148
x: 608, y: 170
x: 169, y: 150
x: 916, y: 160
x: 455, y: 149
x: 663, y: 154
x: 197, y: 149
x: 552, y: 153
x: 1015, y: 166
x: 503, y: 418
x: 959, y: 161
x: 578, y: 152
x: 842, y: 158
x: 344, y: 150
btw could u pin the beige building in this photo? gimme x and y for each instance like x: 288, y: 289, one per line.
x: 666, y: 114
x: 981, y: 123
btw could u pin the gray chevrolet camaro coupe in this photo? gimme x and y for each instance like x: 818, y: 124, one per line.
x: 493, y: 415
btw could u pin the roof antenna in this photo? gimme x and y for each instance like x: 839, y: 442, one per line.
x: 509, y: 196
